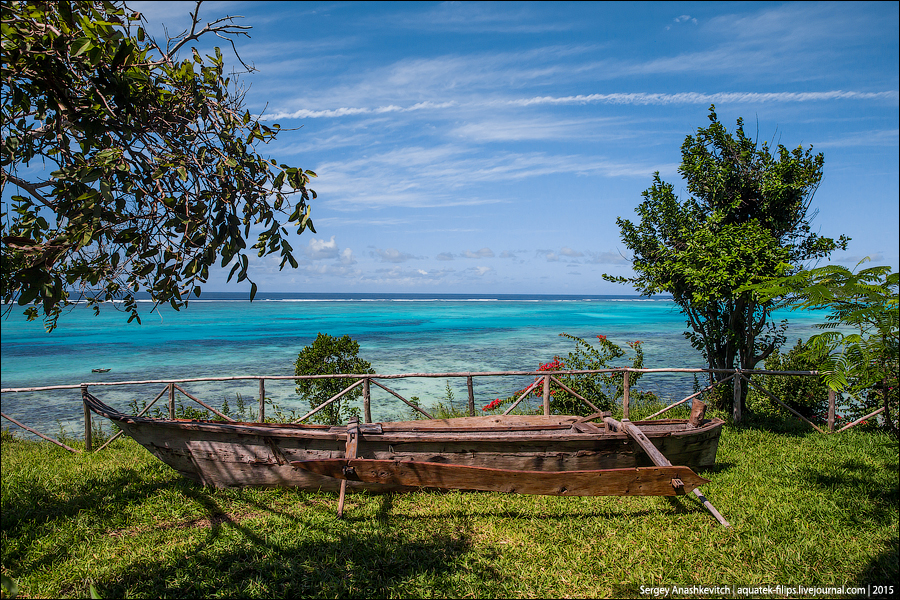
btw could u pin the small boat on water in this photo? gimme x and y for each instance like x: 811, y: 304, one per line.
x: 532, y: 454
x: 100, y: 370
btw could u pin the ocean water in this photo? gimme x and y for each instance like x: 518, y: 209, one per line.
x: 224, y: 335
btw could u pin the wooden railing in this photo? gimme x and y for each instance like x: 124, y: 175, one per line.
x: 544, y: 379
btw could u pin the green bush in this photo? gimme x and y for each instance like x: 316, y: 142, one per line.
x: 329, y: 355
x: 604, y: 390
x: 805, y: 394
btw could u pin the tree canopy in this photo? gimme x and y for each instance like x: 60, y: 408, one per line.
x: 747, y: 217
x: 126, y: 167
x: 864, y: 361
x: 329, y: 355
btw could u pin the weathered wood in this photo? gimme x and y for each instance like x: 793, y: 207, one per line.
x: 659, y: 459
x: 546, y: 396
x: 588, y: 428
x: 860, y: 420
x: 785, y: 406
x: 88, y: 433
x: 488, y: 422
x: 75, y: 386
x: 140, y: 414
x: 574, y: 393
x: 329, y: 401
x: 204, y: 404
x: 831, y: 409
x: 643, y: 481
x: 408, y: 403
x: 736, y: 403
x: 638, y: 436
x: 626, y: 395
x: 238, y: 454
x: 171, y: 400
x: 367, y: 400
x: 683, y: 400
x: 38, y: 433
x: 262, y: 400
x: 712, y: 509
x: 349, y: 453
x: 597, y: 415
x: 470, y: 386
x: 698, y: 411
x: 522, y: 397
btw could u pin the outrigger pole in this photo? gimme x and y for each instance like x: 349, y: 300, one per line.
x: 658, y: 457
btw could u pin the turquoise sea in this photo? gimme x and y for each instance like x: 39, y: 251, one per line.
x: 225, y: 335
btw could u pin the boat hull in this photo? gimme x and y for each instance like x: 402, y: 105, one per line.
x: 260, y: 454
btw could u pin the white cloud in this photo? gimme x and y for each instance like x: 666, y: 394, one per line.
x: 320, y: 249
x: 566, y: 251
x: 701, y: 98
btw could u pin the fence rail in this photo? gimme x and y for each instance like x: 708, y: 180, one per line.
x: 543, y: 380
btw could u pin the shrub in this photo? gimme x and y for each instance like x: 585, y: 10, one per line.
x: 807, y: 395
x: 604, y: 390
x: 328, y: 355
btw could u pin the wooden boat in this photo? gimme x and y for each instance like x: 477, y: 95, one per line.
x: 559, y: 455
x: 100, y: 370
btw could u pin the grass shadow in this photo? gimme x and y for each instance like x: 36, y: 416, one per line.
x: 235, y: 559
x: 883, y: 570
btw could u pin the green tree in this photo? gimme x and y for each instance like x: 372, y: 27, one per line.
x: 746, y: 218
x: 329, y: 355
x: 864, y: 362
x: 131, y: 168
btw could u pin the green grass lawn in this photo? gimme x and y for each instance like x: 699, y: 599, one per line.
x: 806, y: 509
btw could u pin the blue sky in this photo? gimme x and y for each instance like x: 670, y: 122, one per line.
x: 489, y: 148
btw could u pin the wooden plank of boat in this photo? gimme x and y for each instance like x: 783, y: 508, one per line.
x: 350, y: 452
x: 659, y: 458
x: 639, y: 481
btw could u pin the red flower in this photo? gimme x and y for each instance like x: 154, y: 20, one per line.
x: 492, y: 405
x: 601, y: 337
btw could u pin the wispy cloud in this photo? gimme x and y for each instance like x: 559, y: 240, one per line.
x: 483, y: 253
x: 701, y: 98
x: 618, y: 98
x: 392, y: 255
x: 483, y: 17
x: 884, y: 137
x: 431, y: 177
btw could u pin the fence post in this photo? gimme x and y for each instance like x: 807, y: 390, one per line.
x: 88, y: 434
x: 546, y: 395
x: 471, y: 396
x: 367, y: 401
x: 262, y: 400
x: 171, y: 400
x: 626, y: 395
x: 736, y: 409
x: 831, y: 402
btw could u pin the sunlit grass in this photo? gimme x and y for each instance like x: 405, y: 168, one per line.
x: 805, y: 508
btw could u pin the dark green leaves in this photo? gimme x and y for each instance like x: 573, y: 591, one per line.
x: 155, y: 177
x: 745, y: 220
x: 329, y: 355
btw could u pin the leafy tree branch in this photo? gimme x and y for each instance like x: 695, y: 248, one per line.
x: 141, y: 169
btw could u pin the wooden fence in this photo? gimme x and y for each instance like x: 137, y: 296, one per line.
x: 542, y: 379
